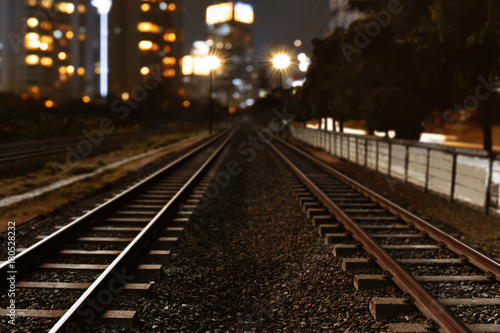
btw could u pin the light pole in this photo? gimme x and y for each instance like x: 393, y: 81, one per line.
x: 281, y: 62
x: 213, y: 63
x: 103, y: 7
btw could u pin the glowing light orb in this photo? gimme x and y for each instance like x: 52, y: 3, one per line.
x: 281, y: 61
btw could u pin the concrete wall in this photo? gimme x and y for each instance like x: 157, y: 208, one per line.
x: 462, y: 175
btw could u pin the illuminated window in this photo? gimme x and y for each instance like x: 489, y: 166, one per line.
x: 32, y: 59
x: 62, y: 56
x: 200, y: 66
x: 148, y: 27
x: 145, y: 7
x: 144, y: 71
x: 169, y: 73
x: 187, y: 65
x: 66, y: 7
x: 47, y: 39
x: 81, y: 71
x: 243, y: 13
x: 69, y: 35
x: 145, y: 45
x: 70, y: 70
x: 169, y: 37
x: 58, y: 34
x: 169, y: 61
x: 49, y: 104
x: 47, y: 3
x: 32, y: 44
x: 32, y: 36
x: 46, y: 61
x: 32, y: 22
x: 46, y: 25
x: 46, y: 43
x: 220, y: 13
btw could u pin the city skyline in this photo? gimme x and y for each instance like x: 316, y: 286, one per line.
x: 54, y: 49
x: 288, y: 20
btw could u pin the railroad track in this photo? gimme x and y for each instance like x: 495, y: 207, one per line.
x: 72, y: 276
x: 437, y: 275
x: 20, y: 151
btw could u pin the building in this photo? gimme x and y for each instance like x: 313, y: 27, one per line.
x: 145, y: 36
x: 51, y: 49
x: 48, y: 49
x: 230, y: 38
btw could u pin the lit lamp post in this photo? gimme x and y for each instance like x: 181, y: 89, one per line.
x: 213, y: 63
x: 103, y: 7
x: 281, y: 62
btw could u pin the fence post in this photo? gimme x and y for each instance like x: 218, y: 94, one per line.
x: 335, y: 136
x: 366, y: 152
x: 453, y: 177
x: 407, y: 158
x: 348, y: 148
x: 330, y: 136
x: 376, y: 155
x: 357, y: 150
x: 427, y: 170
x: 488, y: 186
x: 389, y: 158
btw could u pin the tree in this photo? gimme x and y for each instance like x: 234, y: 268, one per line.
x: 469, y: 31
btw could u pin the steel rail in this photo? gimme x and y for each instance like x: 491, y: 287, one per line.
x: 24, y: 259
x: 423, y: 300
x: 14, y: 156
x: 475, y: 257
x: 70, y: 318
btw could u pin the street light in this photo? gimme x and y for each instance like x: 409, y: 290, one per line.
x: 103, y: 7
x: 281, y: 62
x: 212, y: 63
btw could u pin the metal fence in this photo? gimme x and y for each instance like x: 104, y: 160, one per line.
x: 462, y: 175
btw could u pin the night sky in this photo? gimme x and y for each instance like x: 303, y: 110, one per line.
x: 278, y: 23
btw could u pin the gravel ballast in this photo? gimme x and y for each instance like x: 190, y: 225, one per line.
x: 253, y: 262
